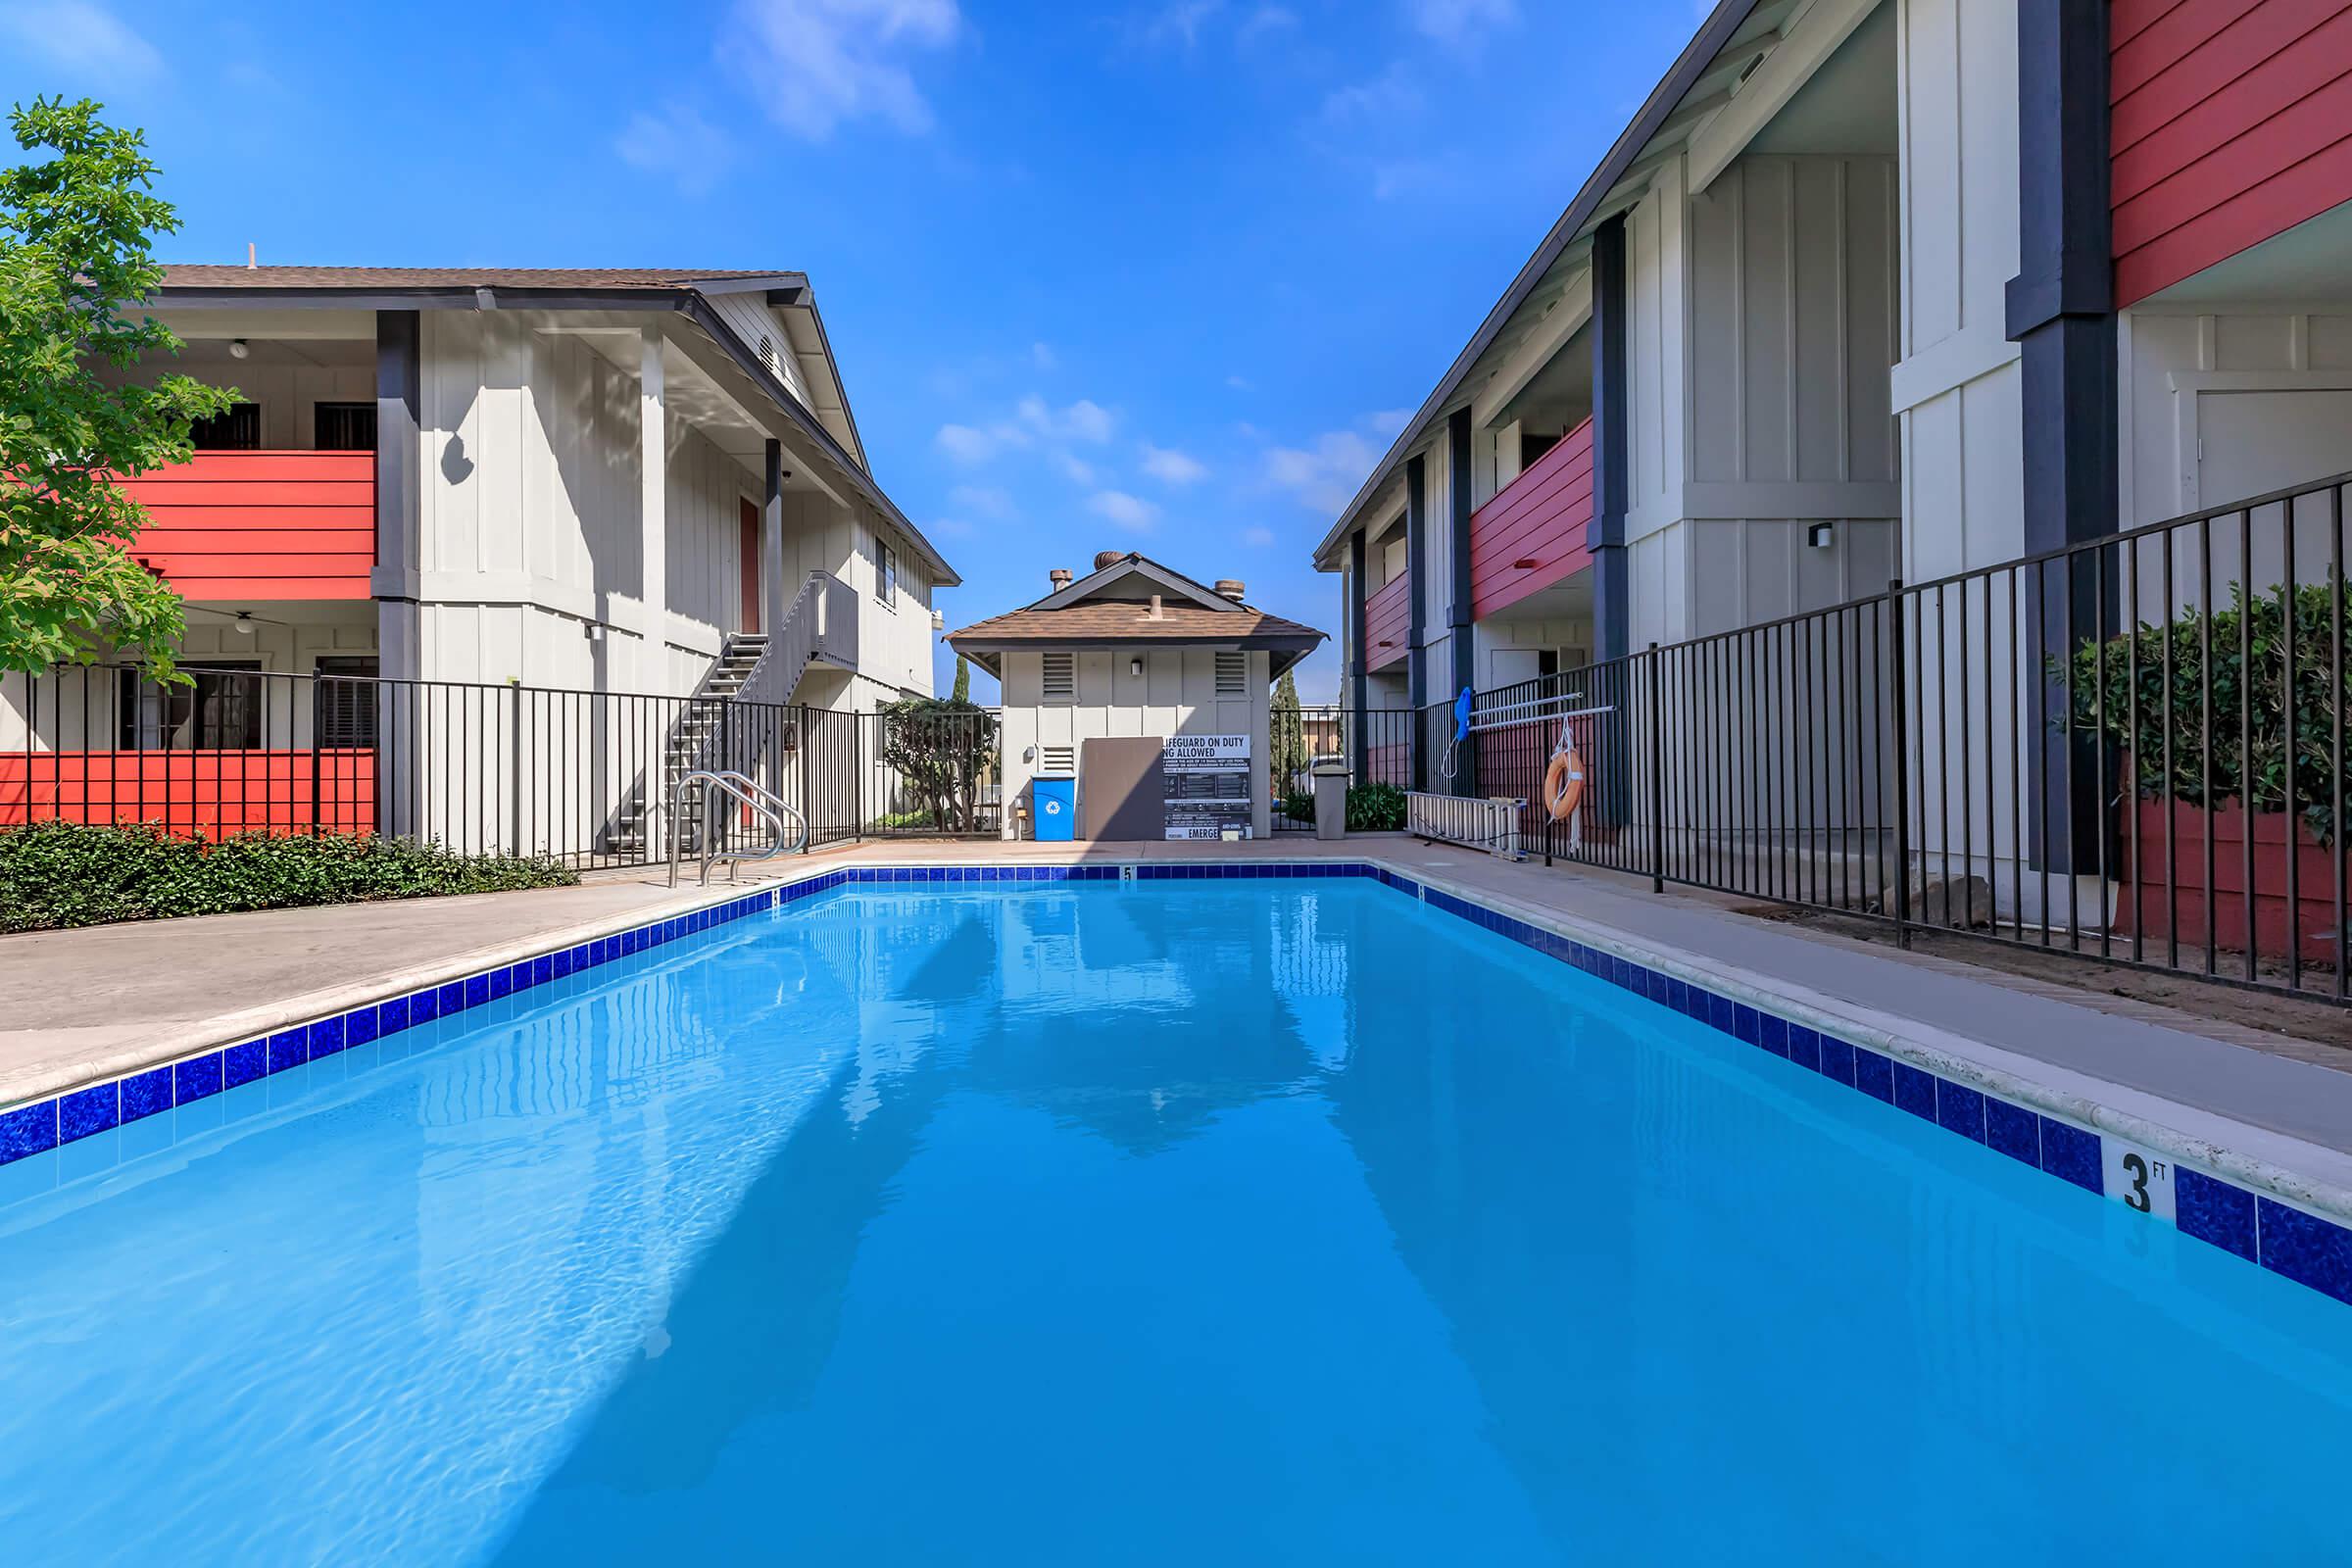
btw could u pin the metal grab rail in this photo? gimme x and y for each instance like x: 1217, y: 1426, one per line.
x: 738, y: 787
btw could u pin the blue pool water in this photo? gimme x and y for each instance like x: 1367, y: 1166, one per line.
x: 1174, y: 1223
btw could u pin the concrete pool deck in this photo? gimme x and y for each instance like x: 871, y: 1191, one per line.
x: 85, y: 1004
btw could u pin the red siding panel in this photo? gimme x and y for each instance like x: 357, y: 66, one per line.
x: 2232, y: 122
x: 1388, y: 622
x: 213, y: 793
x: 258, y: 526
x: 1542, y: 517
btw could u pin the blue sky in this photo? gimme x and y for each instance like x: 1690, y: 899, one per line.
x: 1162, y: 276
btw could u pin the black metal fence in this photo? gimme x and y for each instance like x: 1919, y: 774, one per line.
x: 582, y: 778
x: 2131, y: 749
x: 1377, y: 751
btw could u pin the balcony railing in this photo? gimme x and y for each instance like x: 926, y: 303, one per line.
x: 1531, y: 534
x: 1388, y: 622
x: 261, y: 525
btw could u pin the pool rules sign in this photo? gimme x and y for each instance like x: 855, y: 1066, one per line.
x: 1207, y: 785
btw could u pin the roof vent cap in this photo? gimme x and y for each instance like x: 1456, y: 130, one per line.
x: 1059, y: 577
x: 1231, y: 588
x: 1104, y: 560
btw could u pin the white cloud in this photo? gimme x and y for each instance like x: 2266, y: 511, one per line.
x: 1325, y: 476
x: 814, y: 63
x: 1083, y: 420
x: 1258, y: 538
x: 1124, y: 511
x: 986, y: 499
x: 950, y: 528
x: 1399, y: 177
x: 679, y: 143
x: 1388, y: 421
x: 1240, y: 383
x: 1178, y: 22
x: 78, y: 35
x: 1265, y: 20
x: 1171, y: 466
x: 1391, y: 93
x: 1075, y: 469
x: 1042, y: 356
x: 1460, y: 22
x: 969, y: 444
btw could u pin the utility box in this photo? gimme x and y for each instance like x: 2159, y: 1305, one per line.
x: 1331, y: 799
x: 1055, y: 800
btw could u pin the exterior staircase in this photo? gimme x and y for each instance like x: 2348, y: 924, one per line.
x: 751, y: 667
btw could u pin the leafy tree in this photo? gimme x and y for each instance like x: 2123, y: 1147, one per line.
x: 943, y: 751
x: 1287, y: 740
x: 963, y: 680
x: 75, y: 228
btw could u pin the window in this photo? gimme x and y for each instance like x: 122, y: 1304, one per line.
x: 220, y: 711
x: 886, y: 573
x: 1061, y: 677
x: 1232, y: 674
x: 1062, y: 760
x: 346, y: 704
x: 1393, y: 561
x: 343, y: 427
x: 239, y: 429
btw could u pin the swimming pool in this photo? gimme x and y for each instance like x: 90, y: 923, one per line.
x: 1152, y: 1221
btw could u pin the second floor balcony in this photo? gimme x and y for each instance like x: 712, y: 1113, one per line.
x: 1531, y: 533
x: 249, y: 525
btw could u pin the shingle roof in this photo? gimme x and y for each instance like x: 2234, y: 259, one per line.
x: 1101, y: 621
x: 206, y: 276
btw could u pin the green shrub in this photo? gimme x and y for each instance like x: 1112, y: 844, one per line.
x: 1299, y: 806
x: 1375, y: 809
x: 59, y: 874
x: 2126, y: 697
x: 902, y: 821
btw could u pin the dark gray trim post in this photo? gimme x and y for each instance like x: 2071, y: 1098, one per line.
x: 1462, y: 635
x: 1604, y: 537
x: 1416, y: 565
x: 2061, y: 314
x: 1358, y: 659
x: 399, y: 444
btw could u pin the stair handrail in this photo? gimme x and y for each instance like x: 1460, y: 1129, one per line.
x: 800, y: 634
x: 738, y: 787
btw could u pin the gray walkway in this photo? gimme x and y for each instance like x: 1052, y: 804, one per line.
x: 79, y: 1004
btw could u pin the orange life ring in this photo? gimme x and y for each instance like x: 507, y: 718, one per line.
x: 1563, y: 783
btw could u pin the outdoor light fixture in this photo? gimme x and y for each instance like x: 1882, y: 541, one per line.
x: 1821, y: 535
x: 1135, y: 666
x: 244, y: 623
x: 239, y: 348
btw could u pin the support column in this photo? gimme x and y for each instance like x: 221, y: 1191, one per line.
x: 1605, y: 536
x: 653, y: 511
x: 1457, y: 534
x: 1416, y: 558
x: 2061, y: 314
x: 1359, y: 661
x: 399, y: 375
x: 775, y: 595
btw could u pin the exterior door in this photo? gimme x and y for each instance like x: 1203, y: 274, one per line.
x: 1121, y: 792
x: 751, y: 565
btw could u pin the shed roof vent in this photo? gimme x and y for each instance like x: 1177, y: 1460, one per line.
x: 1104, y: 560
x: 1231, y: 588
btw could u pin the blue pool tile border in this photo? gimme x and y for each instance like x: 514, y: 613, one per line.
x: 2289, y: 1242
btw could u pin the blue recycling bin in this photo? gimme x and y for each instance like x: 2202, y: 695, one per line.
x: 1054, y: 803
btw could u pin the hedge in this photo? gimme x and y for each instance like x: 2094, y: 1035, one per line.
x: 2125, y: 697
x: 1375, y: 809
x: 59, y: 874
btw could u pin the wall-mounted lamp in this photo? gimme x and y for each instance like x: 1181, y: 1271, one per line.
x: 1821, y: 535
x: 593, y: 630
x: 239, y: 348
x: 244, y: 623
x: 1135, y: 666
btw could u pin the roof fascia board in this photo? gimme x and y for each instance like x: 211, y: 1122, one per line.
x: 1280, y: 641
x: 762, y: 282
x: 1204, y: 597
x: 1693, y: 64
x: 1805, y: 42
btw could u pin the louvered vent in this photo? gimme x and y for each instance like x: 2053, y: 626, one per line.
x: 1061, y: 760
x: 1232, y: 674
x: 1061, y: 677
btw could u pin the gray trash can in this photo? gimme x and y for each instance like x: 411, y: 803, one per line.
x: 1331, y: 799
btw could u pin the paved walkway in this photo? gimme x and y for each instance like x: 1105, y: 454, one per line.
x: 80, y: 1005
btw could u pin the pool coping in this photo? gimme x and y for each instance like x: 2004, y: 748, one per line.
x: 2222, y: 1180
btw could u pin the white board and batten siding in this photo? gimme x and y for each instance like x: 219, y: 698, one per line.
x: 1177, y: 694
x: 1761, y: 325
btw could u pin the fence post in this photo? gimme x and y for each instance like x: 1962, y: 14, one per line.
x: 317, y: 740
x: 515, y: 771
x: 1902, y: 765
x: 1657, y: 776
